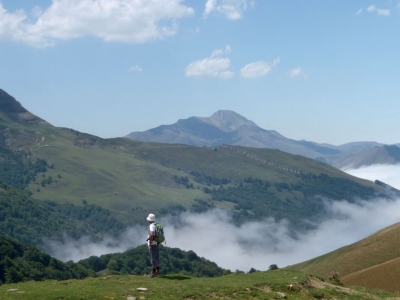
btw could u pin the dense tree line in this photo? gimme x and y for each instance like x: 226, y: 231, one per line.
x: 184, y: 180
x: 201, y: 205
x: 136, y: 262
x: 19, y: 262
x: 29, y: 220
x: 332, y: 187
x: 256, y: 199
x: 205, y: 179
x: 93, y: 217
x: 17, y: 169
x: 173, y: 210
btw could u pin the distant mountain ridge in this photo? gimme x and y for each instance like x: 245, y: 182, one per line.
x: 15, y: 110
x: 131, y: 178
x: 228, y: 127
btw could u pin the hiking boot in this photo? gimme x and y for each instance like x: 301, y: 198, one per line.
x: 151, y: 275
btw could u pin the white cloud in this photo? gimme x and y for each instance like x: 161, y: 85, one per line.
x: 359, y: 11
x: 388, y: 174
x: 220, y: 52
x: 10, y: 23
x: 111, y: 20
x: 232, y: 9
x: 136, y: 69
x: 258, y: 244
x: 210, y: 6
x: 297, y: 72
x: 258, y: 69
x: 214, y: 66
x: 253, y: 244
x: 83, y: 248
x: 379, y: 11
x: 210, y: 67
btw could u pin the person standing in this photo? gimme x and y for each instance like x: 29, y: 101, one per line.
x: 153, y: 246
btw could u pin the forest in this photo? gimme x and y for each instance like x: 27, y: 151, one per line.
x: 256, y: 199
x: 19, y: 262
x: 30, y: 221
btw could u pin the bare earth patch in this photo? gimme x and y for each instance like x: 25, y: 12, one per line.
x: 320, y: 284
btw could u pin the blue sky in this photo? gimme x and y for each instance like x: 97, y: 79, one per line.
x: 324, y: 71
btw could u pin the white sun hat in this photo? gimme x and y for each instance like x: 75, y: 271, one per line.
x: 151, y: 218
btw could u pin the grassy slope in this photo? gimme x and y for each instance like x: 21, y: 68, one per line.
x: 131, y: 178
x: 383, y: 276
x: 264, y: 285
x: 106, y: 176
x: 372, y: 262
x: 30, y: 221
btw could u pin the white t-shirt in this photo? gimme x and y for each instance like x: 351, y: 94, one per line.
x: 152, y: 228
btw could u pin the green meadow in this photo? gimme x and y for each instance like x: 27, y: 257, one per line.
x: 277, y: 284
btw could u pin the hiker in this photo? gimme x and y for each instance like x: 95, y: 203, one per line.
x: 153, y: 246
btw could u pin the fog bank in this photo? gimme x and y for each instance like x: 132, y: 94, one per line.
x: 258, y: 244
x: 389, y: 174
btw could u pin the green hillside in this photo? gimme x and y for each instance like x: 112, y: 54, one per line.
x: 25, y: 274
x: 131, y: 178
x: 30, y: 221
x: 276, y: 284
x: 20, y: 262
x: 136, y: 262
x: 372, y: 262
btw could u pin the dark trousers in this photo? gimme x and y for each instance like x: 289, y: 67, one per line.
x: 154, y: 255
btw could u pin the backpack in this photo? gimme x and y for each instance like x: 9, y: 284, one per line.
x: 159, y: 234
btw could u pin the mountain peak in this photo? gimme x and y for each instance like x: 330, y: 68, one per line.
x: 8, y: 104
x: 13, y: 109
x: 227, y: 120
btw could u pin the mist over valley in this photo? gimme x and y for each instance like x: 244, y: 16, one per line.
x: 261, y: 134
x: 241, y: 208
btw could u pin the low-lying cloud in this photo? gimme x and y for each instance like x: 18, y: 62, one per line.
x: 389, y: 174
x: 254, y: 244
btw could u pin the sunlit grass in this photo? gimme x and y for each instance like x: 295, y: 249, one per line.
x: 259, y: 285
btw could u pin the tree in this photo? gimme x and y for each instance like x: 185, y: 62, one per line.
x: 252, y: 270
x: 13, y: 276
x: 112, y: 265
x: 273, y: 267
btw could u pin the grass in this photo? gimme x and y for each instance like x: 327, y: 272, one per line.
x: 258, y: 285
x: 132, y: 178
x: 117, y: 181
x: 373, y: 262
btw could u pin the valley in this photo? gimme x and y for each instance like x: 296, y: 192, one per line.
x: 59, y: 181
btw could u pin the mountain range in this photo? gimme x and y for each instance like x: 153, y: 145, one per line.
x: 115, y: 182
x: 228, y: 127
x: 131, y: 178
